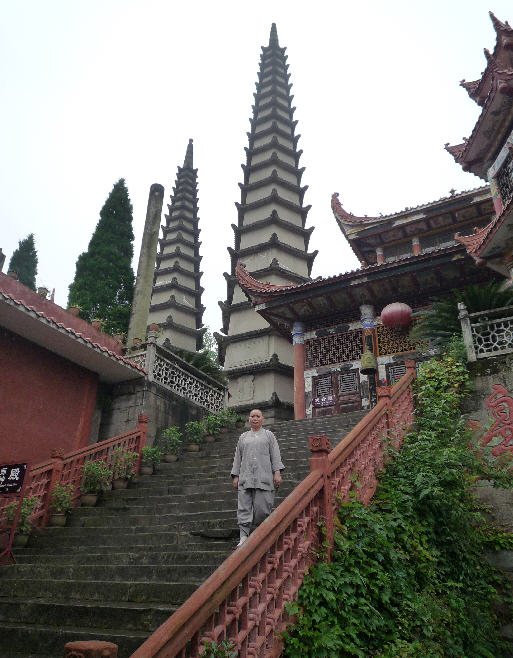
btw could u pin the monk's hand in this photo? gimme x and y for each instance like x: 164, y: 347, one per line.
x: 235, y: 482
x: 277, y: 479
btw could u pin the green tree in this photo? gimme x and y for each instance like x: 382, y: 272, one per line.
x: 24, y: 261
x: 207, y: 359
x: 104, y: 280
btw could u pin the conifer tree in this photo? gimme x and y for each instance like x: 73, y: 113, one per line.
x: 104, y: 280
x: 24, y: 262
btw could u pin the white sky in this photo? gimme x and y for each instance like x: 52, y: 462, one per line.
x: 98, y: 90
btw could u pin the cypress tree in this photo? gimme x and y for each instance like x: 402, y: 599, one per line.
x: 104, y: 280
x: 24, y: 261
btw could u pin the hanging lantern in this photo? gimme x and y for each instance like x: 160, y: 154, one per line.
x: 368, y: 365
x: 396, y: 315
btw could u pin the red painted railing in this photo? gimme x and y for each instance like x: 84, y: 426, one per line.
x: 244, y: 600
x: 64, y: 469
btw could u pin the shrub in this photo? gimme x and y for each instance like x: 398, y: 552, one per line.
x: 171, y: 440
x: 28, y: 505
x: 61, y: 498
x: 195, y: 431
x: 212, y: 424
x: 151, y: 455
x: 96, y: 477
x: 123, y: 463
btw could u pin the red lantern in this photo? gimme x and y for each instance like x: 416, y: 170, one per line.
x: 396, y: 315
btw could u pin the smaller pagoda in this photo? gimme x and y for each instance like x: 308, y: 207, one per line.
x: 176, y: 296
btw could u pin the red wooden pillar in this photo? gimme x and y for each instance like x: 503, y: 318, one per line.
x: 320, y: 449
x: 298, y: 341
x: 411, y: 367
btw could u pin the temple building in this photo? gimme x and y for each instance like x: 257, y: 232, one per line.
x: 335, y: 323
x: 488, y: 153
x: 271, y: 238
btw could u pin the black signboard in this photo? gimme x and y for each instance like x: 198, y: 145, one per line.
x: 11, y: 478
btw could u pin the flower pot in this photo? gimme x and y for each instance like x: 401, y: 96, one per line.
x: 88, y: 500
x: 146, y: 469
x: 169, y: 458
x: 239, y: 424
x: 57, y: 519
x: 119, y: 483
x: 20, y: 541
x: 193, y: 447
x: 210, y: 438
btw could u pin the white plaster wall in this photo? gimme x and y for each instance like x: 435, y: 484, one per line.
x: 256, y: 214
x: 262, y: 141
x: 269, y: 123
x: 161, y: 296
x: 260, y: 387
x: 261, y: 157
x: 170, y: 248
x: 186, y: 210
x: 183, y: 279
x: 265, y: 190
x: 178, y: 339
x: 242, y: 320
x: 263, y: 234
x: 280, y: 345
x: 260, y: 174
x: 186, y: 319
x: 247, y: 352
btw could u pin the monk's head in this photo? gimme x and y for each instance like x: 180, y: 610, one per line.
x: 256, y: 418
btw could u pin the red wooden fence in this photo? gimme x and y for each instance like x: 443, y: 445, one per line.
x: 64, y: 469
x: 244, y: 600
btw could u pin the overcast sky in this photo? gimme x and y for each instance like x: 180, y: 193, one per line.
x: 105, y: 89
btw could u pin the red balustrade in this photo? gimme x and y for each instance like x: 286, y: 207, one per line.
x: 244, y: 600
x: 64, y: 469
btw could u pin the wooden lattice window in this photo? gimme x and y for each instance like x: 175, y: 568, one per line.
x: 348, y: 382
x: 334, y: 348
x: 394, y: 341
x: 323, y: 386
x: 395, y: 372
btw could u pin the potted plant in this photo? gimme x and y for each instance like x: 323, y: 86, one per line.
x: 151, y: 456
x: 228, y: 419
x: 123, y: 467
x: 195, y: 433
x: 96, y: 478
x: 28, y: 505
x: 212, y: 427
x: 60, y: 503
x: 171, y: 440
x: 239, y: 421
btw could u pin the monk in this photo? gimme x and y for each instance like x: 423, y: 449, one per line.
x: 256, y: 471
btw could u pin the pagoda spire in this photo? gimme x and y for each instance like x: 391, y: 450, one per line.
x: 176, y: 296
x: 271, y: 240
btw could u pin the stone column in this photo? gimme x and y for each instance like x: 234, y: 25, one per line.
x: 298, y: 341
x: 467, y: 331
x: 415, y: 242
x: 147, y: 256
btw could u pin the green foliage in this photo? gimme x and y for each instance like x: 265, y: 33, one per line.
x: 213, y: 424
x: 171, y: 440
x: 195, y: 431
x: 441, y: 322
x: 223, y: 650
x: 123, y: 463
x: 206, y: 359
x: 407, y: 576
x: 227, y: 417
x: 61, y: 498
x: 24, y: 262
x: 28, y: 505
x: 151, y: 455
x: 104, y: 281
x: 96, y: 477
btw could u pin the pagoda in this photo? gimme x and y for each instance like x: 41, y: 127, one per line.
x: 176, y: 294
x: 271, y: 239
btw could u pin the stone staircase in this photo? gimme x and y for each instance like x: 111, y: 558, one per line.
x: 119, y: 570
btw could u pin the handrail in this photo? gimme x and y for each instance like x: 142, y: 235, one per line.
x: 244, y: 599
x: 64, y: 469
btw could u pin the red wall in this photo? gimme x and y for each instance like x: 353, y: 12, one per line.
x: 46, y: 402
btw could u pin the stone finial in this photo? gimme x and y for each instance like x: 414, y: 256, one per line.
x: 2, y: 259
x: 188, y: 162
x: 273, y: 37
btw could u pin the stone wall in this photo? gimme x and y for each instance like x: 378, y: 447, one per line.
x: 485, y: 373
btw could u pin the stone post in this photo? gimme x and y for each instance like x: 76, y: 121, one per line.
x: 298, y: 341
x: 367, y: 314
x: 467, y: 331
x: 415, y: 243
x: 146, y: 267
x: 380, y: 257
x: 320, y: 449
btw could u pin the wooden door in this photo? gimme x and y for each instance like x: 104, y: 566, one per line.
x: 335, y: 393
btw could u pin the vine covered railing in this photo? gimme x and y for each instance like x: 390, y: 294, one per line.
x: 487, y: 333
x: 68, y: 469
x: 244, y: 600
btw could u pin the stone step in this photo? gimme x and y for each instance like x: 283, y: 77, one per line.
x: 50, y: 640
x: 115, y: 573
x: 198, y: 554
x: 96, y: 614
x: 172, y: 593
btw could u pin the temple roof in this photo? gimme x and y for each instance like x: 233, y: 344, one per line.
x: 494, y: 93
